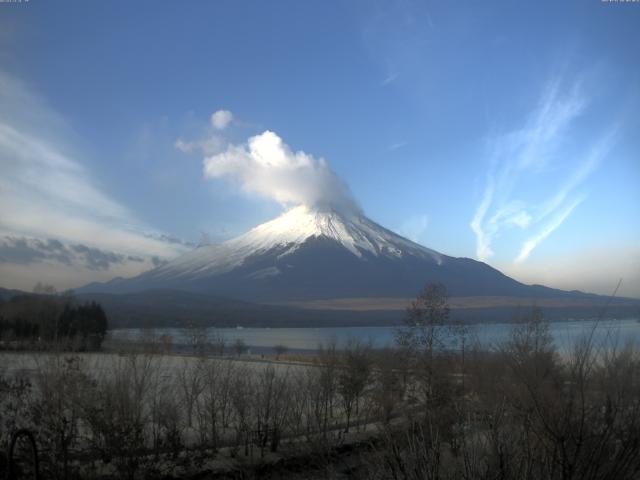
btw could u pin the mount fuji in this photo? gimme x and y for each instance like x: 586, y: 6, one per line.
x: 310, y: 254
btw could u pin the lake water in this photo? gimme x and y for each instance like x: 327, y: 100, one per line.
x: 262, y: 340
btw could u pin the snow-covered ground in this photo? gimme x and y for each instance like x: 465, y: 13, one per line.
x: 32, y: 363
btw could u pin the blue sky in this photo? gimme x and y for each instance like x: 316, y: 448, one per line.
x: 504, y: 131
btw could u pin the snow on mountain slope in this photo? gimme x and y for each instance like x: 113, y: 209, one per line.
x: 354, y: 232
x: 311, y: 254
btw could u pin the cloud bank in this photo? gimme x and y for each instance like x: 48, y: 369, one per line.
x: 27, y: 251
x: 266, y: 166
x: 585, y: 269
x: 520, y: 157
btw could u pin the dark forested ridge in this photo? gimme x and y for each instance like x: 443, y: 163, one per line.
x: 175, y: 308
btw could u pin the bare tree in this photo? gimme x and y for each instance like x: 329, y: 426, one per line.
x: 190, y: 381
x: 298, y: 402
x: 425, y: 316
x: 116, y: 414
x: 197, y: 337
x: 324, y: 387
x: 354, y: 377
x: 218, y: 344
x: 240, y: 396
x: 61, y: 381
x: 215, y: 410
x: 280, y: 349
x: 388, y: 389
x: 270, y: 406
x: 424, y: 335
x: 240, y: 347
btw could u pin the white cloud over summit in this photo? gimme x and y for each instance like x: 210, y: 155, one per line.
x: 267, y: 166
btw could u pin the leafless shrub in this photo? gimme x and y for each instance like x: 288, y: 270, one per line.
x: 270, y: 406
x: 170, y: 434
x: 217, y: 344
x: 240, y: 396
x: 117, y: 415
x: 191, y: 384
x: 520, y: 411
x: 389, y: 388
x: 56, y: 411
x: 409, y: 454
x: 214, y: 407
x: 322, y: 383
x: 15, y: 392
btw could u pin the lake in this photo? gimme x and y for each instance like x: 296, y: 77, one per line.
x: 262, y: 340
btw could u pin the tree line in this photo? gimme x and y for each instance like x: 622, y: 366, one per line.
x: 32, y: 320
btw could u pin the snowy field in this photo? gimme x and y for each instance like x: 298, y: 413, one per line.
x: 97, y: 364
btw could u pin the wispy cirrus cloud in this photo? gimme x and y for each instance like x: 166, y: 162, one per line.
x: 389, y: 79
x: 397, y: 146
x: 212, y: 140
x: 48, y: 197
x: 546, y: 230
x: 523, y: 155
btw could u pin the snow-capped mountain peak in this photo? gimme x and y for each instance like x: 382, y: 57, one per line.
x: 320, y: 253
x: 288, y: 232
x: 353, y: 231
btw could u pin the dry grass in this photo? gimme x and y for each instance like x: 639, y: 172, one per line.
x: 400, y: 304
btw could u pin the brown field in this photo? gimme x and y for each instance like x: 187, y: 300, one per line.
x: 389, y: 303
